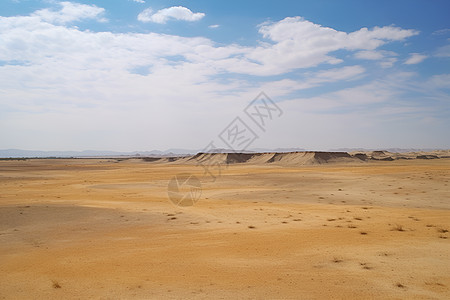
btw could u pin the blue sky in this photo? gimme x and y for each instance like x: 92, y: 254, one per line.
x: 131, y: 75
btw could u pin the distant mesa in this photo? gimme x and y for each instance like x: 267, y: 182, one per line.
x: 298, y: 158
x: 283, y: 157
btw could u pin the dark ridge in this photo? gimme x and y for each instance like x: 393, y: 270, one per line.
x: 233, y: 158
x: 426, y: 157
x: 383, y: 159
x: 151, y: 159
x: 329, y: 155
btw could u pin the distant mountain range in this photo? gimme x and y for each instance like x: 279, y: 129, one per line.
x: 90, y: 153
x: 15, y: 153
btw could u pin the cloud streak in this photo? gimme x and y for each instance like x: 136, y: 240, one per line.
x: 415, y: 58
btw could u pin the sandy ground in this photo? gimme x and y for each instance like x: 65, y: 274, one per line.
x: 104, y: 229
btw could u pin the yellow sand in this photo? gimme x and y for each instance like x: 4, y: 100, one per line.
x: 103, y: 229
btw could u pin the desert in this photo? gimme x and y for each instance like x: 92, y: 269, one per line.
x: 309, y: 225
x: 154, y: 149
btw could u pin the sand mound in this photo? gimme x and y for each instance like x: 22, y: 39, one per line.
x: 381, y: 155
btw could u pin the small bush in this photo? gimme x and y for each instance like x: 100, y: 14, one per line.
x: 337, y: 260
x: 398, y: 228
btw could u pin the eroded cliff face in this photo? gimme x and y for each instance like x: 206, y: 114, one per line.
x: 298, y: 158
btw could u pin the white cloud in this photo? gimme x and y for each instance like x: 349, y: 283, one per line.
x: 145, y: 15
x: 70, y: 12
x: 442, y: 31
x: 415, y: 58
x: 382, y: 94
x: 383, y: 107
x: 139, y: 1
x: 440, y: 81
x: 310, y: 80
x: 295, y: 43
x: 56, y: 79
x: 214, y: 26
x: 337, y: 74
x: 165, y: 14
x: 298, y: 43
x: 370, y: 55
x: 297, y: 28
x: 443, y: 51
x: 385, y: 58
x: 388, y: 62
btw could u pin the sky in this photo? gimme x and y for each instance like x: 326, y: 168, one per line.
x: 136, y: 75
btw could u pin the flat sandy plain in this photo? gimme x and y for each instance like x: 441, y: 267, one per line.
x: 105, y: 229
